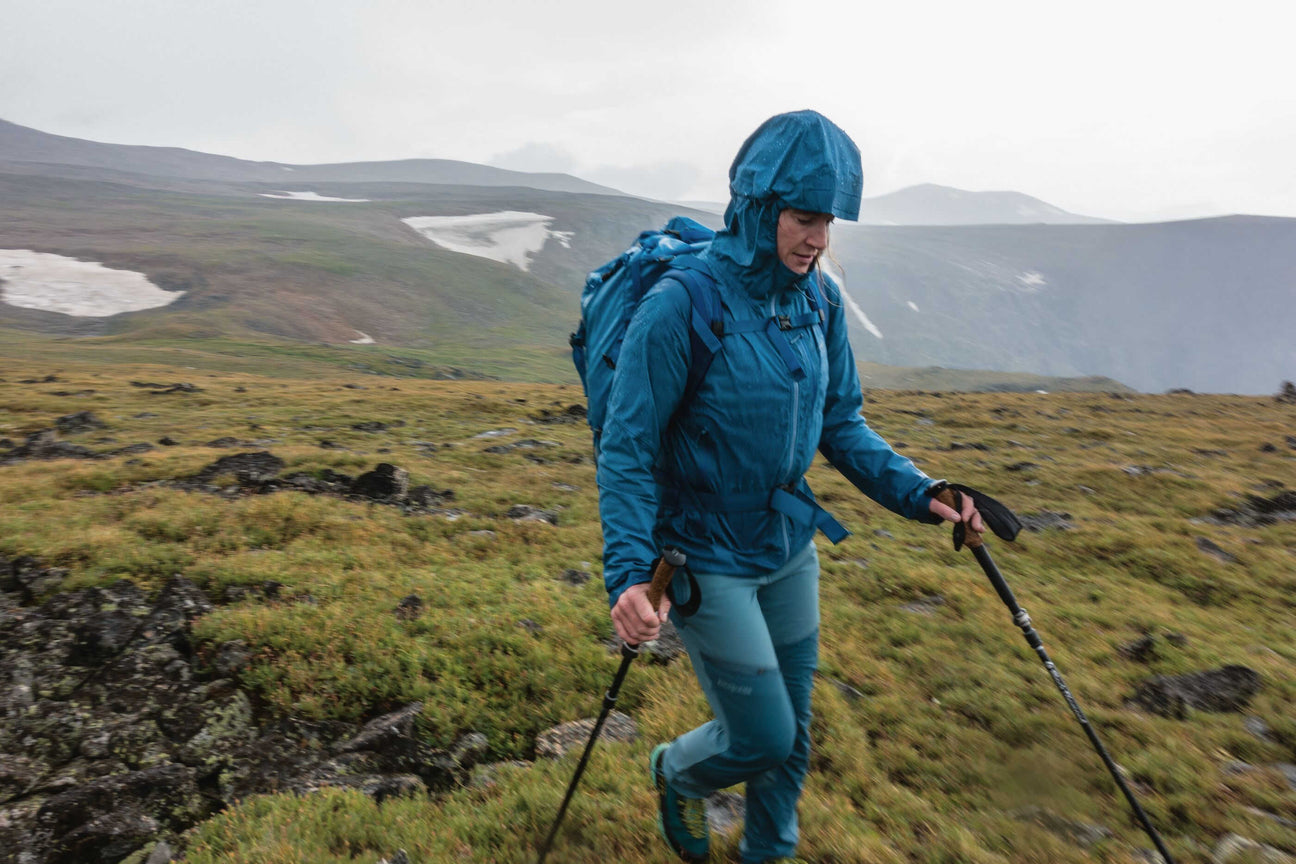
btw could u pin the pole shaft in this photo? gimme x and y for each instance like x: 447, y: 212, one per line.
x: 1022, y: 620
x: 671, y: 560
x: 628, y: 654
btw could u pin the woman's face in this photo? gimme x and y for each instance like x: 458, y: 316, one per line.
x: 802, y: 235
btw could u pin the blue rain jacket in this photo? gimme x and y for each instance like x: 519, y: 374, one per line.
x: 752, y: 426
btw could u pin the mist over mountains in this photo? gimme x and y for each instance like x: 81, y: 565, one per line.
x: 937, y: 276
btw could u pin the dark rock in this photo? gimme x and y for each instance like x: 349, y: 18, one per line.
x: 961, y: 445
x: 384, y: 482
x: 26, y: 576
x: 1021, y: 466
x: 409, y: 608
x: 1214, y: 551
x: 82, y: 421
x: 532, y: 627
x: 426, y: 496
x: 44, y: 445
x: 376, y: 426
x: 166, y: 388
x: 102, y: 637
x: 168, y: 441
x: 231, y: 658
x: 133, y: 449
x: 1256, y: 511
x: 575, y: 577
x: 1141, y: 650
x: 527, y: 513
x: 524, y: 444
x: 570, y: 414
x: 1228, y: 688
x: 249, y: 469
x: 223, y: 442
x: 1268, y: 448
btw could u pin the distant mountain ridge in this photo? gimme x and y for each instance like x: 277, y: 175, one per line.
x: 1204, y: 305
x: 25, y: 145
x: 930, y: 204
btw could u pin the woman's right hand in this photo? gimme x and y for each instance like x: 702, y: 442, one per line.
x: 634, y: 618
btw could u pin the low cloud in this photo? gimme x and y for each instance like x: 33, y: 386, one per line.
x: 536, y: 157
x: 664, y: 181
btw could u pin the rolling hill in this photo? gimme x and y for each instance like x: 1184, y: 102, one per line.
x: 1203, y: 305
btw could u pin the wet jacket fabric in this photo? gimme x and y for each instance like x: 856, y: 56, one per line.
x: 753, y: 426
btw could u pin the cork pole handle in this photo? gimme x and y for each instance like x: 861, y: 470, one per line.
x: 952, y: 498
x: 671, y: 560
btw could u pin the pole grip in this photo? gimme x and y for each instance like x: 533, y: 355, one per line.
x: 951, y: 499
x: 671, y: 560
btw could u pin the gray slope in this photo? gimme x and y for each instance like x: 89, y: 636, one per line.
x: 44, y: 152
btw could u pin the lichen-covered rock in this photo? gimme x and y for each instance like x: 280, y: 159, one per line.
x: 557, y: 742
x: 1228, y: 688
x: 113, y: 737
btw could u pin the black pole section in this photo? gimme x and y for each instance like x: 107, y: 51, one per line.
x: 1022, y: 620
x: 671, y: 560
x: 628, y: 654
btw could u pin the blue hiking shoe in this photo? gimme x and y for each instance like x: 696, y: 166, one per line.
x: 682, y: 821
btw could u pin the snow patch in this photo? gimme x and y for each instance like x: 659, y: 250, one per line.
x: 509, y: 236
x: 85, y: 289
x: 912, y: 305
x: 311, y: 196
x: 365, y: 339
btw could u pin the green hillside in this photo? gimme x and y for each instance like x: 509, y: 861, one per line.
x: 939, y: 737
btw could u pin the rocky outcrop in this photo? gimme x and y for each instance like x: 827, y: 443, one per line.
x: 258, y: 473
x: 1256, y: 511
x: 115, y: 734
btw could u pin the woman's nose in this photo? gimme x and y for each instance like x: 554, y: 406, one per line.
x: 818, y: 237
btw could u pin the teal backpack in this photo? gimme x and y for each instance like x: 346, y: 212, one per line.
x: 614, y: 291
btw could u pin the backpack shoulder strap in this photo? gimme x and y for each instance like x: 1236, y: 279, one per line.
x: 706, y: 324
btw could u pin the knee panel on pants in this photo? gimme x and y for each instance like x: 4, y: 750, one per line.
x: 758, y: 717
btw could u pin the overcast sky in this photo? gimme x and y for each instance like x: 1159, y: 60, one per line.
x: 1127, y: 109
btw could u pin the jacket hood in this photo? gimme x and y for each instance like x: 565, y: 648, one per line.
x: 800, y: 160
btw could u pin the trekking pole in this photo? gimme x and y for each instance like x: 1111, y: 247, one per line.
x: 952, y: 498
x: 671, y: 560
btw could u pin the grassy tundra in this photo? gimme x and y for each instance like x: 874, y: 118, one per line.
x: 936, y: 729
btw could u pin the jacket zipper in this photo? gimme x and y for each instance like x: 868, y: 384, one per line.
x: 791, y: 450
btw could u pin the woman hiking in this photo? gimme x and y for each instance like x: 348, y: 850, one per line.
x: 723, y: 481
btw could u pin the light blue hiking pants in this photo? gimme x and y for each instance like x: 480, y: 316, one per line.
x: 754, y: 643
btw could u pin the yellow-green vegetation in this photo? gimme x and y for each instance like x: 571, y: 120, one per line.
x: 947, y: 727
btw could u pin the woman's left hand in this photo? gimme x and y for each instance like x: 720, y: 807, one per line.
x: 970, y: 516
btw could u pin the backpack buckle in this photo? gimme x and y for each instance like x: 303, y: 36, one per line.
x: 784, y: 322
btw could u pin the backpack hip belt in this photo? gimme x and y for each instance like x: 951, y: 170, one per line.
x: 793, y: 500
